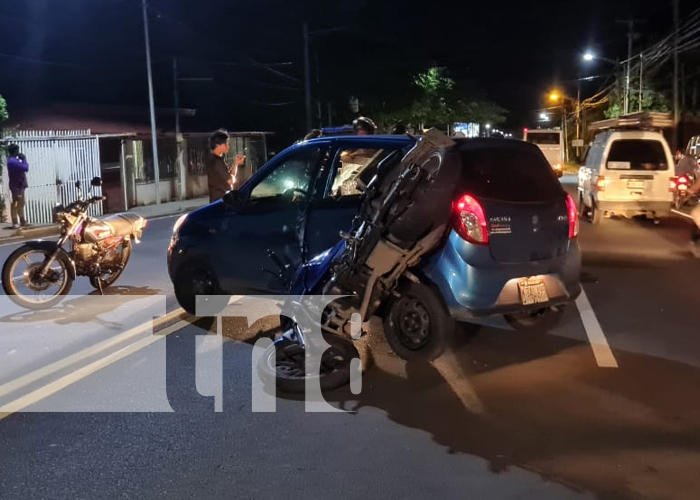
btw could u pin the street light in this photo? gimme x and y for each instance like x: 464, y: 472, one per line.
x: 544, y: 117
x: 588, y: 56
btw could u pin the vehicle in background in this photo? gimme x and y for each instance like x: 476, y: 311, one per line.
x: 510, y: 237
x: 693, y: 147
x: 551, y: 143
x: 628, y: 170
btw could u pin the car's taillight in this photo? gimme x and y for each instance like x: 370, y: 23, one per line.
x: 470, y: 220
x: 602, y: 182
x: 672, y: 184
x: 573, y: 216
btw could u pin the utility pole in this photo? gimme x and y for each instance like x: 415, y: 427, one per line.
x: 307, y: 76
x: 154, y: 133
x: 676, y: 76
x: 630, y: 39
x: 641, y: 80
x: 178, y: 139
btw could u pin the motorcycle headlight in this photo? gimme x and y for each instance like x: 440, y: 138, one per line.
x: 178, y: 224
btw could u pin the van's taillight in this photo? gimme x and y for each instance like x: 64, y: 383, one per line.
x: 602, y: 182
x: 573, y: 216
x: 470, y: 220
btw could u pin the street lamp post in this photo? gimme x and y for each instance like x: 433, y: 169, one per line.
x: 154, y: 137
x: 556, y: 97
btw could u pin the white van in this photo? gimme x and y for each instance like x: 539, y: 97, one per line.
x: 551, y: 143
x: 627, y: 173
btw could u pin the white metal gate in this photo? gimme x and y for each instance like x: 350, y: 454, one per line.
x: 67, y: 156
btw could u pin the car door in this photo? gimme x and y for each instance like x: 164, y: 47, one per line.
x: 268, y: 221
x: 339, y: 202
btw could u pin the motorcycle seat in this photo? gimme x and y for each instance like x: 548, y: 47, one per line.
x: 124, y: 224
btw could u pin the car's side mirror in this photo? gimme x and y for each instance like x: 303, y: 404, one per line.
x: 234, y: 199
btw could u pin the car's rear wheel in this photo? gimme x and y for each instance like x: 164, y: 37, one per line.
x: 540, y: 320
x: 596, y: 214
x: 582, y: 208
x: 417, y: 325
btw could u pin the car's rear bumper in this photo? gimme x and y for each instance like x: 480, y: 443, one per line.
x: 660, y: 208
x: 477, y: 290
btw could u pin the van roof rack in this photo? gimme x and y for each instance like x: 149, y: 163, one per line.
x: 635, y: 121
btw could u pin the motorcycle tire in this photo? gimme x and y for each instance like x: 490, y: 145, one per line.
x: 417, y: 325
x: 113, y: 277
x: 15, y: 296
x: 281, y: 365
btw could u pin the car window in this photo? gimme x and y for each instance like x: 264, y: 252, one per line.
x: 544, y: 138
x: 509, y: 174
x: 353, y: 163
x: 291, y: 178
x: 637, y: 154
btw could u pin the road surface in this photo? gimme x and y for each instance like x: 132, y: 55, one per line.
x: 606, y: 406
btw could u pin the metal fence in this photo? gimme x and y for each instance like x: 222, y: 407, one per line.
x: 254, y: 147
x: 68, y: 156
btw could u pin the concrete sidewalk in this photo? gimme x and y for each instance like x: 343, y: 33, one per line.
x: 7, y: 234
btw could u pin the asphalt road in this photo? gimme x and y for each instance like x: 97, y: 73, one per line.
x: 504, y: 415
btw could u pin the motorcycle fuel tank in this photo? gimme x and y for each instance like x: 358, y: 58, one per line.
x: 97, y: 231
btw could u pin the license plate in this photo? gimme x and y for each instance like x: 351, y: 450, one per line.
x: 532, y: 291
x: 635, y: 184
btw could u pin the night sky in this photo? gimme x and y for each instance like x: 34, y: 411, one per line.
x: 512, y: 52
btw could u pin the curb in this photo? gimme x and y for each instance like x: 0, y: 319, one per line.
x: 55, y: 230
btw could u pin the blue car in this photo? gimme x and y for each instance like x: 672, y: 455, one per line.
x: 511, y: 250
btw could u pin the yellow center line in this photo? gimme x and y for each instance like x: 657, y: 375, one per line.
x: 57, y: 366
x: 84, y: 372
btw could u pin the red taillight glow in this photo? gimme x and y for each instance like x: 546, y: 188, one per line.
x: 602, y: 182
x: 470, y: 220
x: 573, y: 216
x: 672, y: 184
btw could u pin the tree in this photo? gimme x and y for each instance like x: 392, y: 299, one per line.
x: 3, y: 111
x: 440, y: 102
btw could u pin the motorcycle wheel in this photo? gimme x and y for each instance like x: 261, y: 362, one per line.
x: 283, y: 364
x: 417, y: 325
x: 109, y: 278
x: 37, y: 287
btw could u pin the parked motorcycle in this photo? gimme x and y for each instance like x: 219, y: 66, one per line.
x: 40, y: 273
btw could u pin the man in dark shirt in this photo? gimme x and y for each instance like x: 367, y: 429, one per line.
x: 221, y: 177
x: 17, y: 168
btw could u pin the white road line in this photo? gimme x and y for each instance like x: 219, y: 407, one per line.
x: 683, y: 214
x: 48, y: 370
x: 86, y: 371
x: 78, y: 375
x: 601, y: 349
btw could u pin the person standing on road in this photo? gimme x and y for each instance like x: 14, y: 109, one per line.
x: 17, y: 168
x: 221, y: 177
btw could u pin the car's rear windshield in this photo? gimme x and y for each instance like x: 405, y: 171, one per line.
x: 637, y: 154
x: 515, y: 174
x: 543, y: 138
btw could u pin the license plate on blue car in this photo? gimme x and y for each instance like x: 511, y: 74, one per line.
x: 532, y: 291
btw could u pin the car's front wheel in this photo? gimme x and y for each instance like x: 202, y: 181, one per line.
x: 194, y: 280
